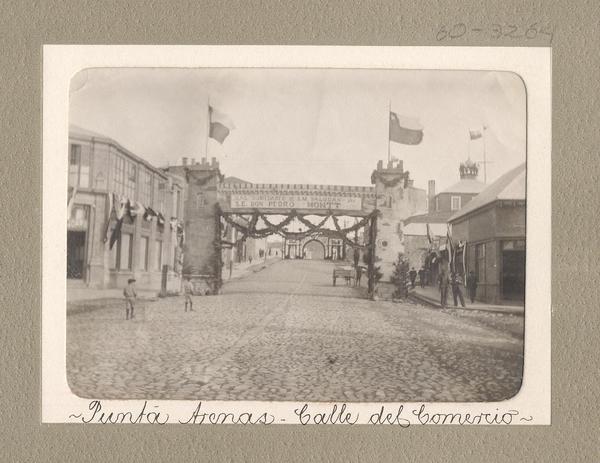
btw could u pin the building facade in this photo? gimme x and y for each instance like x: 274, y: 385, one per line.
x: 493, y: 228
x: 425, y: 235
x: 105, y: 180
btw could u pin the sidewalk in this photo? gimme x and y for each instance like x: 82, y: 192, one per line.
x: 430, y: 295
x: 87, y: 294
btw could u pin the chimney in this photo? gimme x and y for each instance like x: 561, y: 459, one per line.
x: 192, y: 161
x: 380, y: 165
x: 213, y: 162
x: 431, y: 194
x: 184, y: 161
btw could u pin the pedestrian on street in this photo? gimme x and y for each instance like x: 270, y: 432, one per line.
x: 456, y: 281
x: 422, y: 277
x: 443, y: 282
x: 472, y: 285
x: 188, y: 291
x: 413, y: 276
x: 130, y: 297
x: 359, y: 272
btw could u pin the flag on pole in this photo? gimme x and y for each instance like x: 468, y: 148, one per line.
x: 109, y: 210
x: 220, y: 125
x: 464, y: 257
x: 70, y: 203
x: 429, y: 235
x: 116, y: 233
x: 450, y: 249
x: 405, y: 130
x: 137, y: 209
x: 475, y: 134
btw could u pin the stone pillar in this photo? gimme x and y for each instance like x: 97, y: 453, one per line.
x: 202, y: 259
x: 395, y: 204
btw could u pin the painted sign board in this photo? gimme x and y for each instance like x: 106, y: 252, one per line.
x: 297, y: 201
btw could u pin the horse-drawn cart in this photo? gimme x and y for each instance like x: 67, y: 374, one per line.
x: 346, y: 272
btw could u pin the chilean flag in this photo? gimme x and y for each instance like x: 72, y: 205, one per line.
x: 475, y: 134
x: 220, y: 125
x: 405, y: 130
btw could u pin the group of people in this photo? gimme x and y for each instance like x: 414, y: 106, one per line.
x: 455, y: 281
x: 413, y: 277
x: 446, y: 279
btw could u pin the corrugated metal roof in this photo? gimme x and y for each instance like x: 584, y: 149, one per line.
x: 511, y: 186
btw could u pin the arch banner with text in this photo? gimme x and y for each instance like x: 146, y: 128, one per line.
x: 214, y: 206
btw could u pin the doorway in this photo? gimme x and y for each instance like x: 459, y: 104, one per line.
x: 314, y: 250
x: 75, y: 254
x: 513, y: 275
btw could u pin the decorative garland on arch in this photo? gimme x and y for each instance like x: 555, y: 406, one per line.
x: 250, y: 231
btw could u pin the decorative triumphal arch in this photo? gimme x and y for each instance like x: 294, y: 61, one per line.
x: 213, y: 207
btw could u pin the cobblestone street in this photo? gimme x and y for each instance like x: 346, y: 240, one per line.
x: 285, y: 333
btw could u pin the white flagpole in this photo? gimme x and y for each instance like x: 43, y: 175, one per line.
x: 484, y: 160
x: 207, y: 127
x: 389, y: 116
x: 469, y: 148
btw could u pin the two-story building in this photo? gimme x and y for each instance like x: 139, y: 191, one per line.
x: 105, y: 180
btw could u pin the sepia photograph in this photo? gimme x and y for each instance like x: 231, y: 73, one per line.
x: 298, y: 234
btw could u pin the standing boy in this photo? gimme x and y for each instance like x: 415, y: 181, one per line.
x: 188, y: 290
x: 130, y: 296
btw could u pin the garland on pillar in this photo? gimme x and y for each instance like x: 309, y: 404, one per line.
x: 400, y: 277
x: 217, y: 263
x: 394, y: 182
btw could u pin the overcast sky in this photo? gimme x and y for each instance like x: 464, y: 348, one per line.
x: 307, y: 126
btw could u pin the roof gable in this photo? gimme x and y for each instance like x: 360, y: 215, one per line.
x: 510, y: 186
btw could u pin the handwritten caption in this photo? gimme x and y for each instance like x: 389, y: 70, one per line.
x: 304, y: 414
x: 496, y: 31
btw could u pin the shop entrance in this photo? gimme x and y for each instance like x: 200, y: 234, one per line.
x: 513, y: 275
x: 75, y: 254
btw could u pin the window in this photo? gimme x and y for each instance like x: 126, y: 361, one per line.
x: 158, y: 203
x: 125, y: 251
x: 157, y: 255
x: 143, y: 256
x: 145, y: 190
x: 124, y: 177
x: 79, y: 167
x: 480, y: 262
x: 120, y: 254
x: 178, y: 203
x: 455, y: 203
x: 79, y: 218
